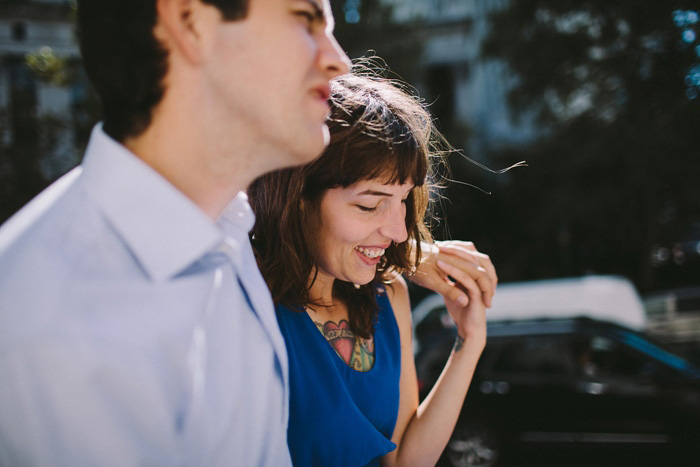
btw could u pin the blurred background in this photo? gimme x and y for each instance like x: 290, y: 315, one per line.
x: 600, y: 97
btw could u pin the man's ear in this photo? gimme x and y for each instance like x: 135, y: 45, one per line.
x: 188, y: 26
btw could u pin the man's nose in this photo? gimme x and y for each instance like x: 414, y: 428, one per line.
x: 333, y: 59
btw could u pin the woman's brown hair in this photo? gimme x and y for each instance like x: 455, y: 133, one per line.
x: 378, y: 130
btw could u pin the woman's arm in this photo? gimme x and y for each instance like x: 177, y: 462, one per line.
x: 422, y: 432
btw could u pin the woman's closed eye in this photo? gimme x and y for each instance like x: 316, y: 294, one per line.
x: 366, y: 208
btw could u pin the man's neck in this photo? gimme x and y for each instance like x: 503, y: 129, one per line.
x: 197, y: 165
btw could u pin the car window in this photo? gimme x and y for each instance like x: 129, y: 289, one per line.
x: 535, y: 355
x: 606, y: 358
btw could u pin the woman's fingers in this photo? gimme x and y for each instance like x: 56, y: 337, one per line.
x: 472, y: 287
x: 468, y: 252
x: 448, y: 289
x: 468, y: 267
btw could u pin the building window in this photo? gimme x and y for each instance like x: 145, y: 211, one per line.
x: 23, y: 95
x: 19, y: 31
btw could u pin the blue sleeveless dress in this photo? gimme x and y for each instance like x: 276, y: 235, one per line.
x: 339, y: 416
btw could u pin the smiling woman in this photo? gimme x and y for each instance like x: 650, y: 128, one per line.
x: 372, y: 145
x: 332, y: 238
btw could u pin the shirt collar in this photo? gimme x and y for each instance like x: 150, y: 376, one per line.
x: 237, y: 218
x: 163, y: 228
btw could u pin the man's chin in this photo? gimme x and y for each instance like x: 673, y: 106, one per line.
x: 326, y: 135
x: 314, y: 147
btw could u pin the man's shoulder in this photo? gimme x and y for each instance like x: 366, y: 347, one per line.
x: 38, y: 250
x: 36, y: 214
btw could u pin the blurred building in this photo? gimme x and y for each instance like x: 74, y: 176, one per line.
x: 674, y: 317
x: 467, y: 92
x: 42, y: 91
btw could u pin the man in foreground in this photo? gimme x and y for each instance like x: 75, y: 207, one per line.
x: 135, y: 327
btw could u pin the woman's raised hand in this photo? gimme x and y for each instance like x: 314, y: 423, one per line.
x: 449, y: 268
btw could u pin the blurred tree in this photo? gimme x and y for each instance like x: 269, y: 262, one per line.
x: 40, y: 148
x: 620, y: 151
x: 47, y: 66
x: 688, y: 21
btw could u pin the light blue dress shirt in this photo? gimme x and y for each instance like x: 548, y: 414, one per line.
x: 133, y: 329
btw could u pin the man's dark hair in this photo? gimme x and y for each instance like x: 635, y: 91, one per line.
x: 125, y: 62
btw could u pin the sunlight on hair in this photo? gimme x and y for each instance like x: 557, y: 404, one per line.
x: 482, y: 166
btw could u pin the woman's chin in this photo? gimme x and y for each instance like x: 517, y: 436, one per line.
x: 363, y: 281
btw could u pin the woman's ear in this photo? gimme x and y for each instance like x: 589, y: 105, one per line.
x: 187, y: 27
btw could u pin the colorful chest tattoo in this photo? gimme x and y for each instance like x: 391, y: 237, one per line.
x: 356, y: 352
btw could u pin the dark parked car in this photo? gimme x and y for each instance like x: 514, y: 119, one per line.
x: 567, y: 386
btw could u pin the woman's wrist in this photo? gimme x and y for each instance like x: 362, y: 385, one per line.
x: 459, y: 343
x: 463, y: 340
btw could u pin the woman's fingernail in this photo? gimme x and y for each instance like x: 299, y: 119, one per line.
x: 462, y: 300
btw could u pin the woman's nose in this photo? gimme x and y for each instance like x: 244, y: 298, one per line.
x: 395, y: 226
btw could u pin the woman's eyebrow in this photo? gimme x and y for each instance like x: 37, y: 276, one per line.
x: 374, y: 193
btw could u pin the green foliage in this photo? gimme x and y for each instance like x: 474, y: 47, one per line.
x: 47, y: 66
x: 597, y: 59
x: 608, y: 80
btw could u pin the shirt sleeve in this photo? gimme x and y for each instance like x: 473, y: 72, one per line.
x: 75, y: 404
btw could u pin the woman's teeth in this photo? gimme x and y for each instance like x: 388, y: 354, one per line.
x: 371, y: 252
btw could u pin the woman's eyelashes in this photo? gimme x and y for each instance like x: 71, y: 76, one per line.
x: 364, y: 208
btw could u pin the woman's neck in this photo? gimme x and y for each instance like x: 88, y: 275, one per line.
x: 321, y: 289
